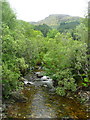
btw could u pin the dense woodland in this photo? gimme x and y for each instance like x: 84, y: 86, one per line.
x: 61, y: 52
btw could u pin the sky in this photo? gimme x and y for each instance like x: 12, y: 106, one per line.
x: 36, y: 10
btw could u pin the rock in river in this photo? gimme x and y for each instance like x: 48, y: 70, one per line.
x: 39, y: 74
x: 28, y: 82
x: 47, y: 81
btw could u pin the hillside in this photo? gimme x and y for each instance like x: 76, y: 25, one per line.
x: 54, y: 20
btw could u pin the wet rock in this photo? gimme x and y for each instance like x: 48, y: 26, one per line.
x: 45, y: 85
x: 39, y: 74
x: 48, y: 84
x: 26, y: 82
x: 52, y: 90
x: 45, y: 78
x: 47, y: 81
x: 30, y: 83
x: 38, y: 79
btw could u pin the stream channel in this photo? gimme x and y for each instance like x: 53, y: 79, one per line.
x: 45, y: 103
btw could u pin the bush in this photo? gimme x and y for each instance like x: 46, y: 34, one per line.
x: 64, y: 61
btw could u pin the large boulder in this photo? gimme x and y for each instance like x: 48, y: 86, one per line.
x: 39, y: 74
x: 45, y: 78
x: 47, y: 81
x: 26, y: 82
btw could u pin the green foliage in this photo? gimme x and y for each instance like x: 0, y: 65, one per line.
x: 21, y: 65
x: 81, y: 33
x: 24, y: 46
x: 67, y: 84
x: 60, y: 91
x: 21, y: 46
x: 43, y: 28
x: 8, y: 16
x: 65, y: 61
x: 86, y: 82
x: 9, y: 79
x: 52, y: 33
x: 65, y: 26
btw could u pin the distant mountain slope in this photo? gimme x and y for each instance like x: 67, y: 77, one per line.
x: 54, y: 20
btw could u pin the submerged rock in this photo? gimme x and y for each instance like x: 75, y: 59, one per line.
x: 18, y: 97
x: 84, y: 95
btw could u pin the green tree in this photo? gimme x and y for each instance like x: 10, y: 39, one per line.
x: 8, y: 16
x: 65, y: 61
x: 65, y: 26
x: 43, y: 28
x: 82, y: 33
x: 52, y: 33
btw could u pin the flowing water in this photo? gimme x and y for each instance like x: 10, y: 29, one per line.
x: 42, y: 103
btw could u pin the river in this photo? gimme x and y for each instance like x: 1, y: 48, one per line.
x: 42, y: 103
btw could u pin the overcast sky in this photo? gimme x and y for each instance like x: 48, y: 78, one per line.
x: 35, y: 10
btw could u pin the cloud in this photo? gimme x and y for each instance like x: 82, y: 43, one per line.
x: 34, y: 10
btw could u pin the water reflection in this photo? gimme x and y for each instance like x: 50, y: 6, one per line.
x: 43, y: 104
